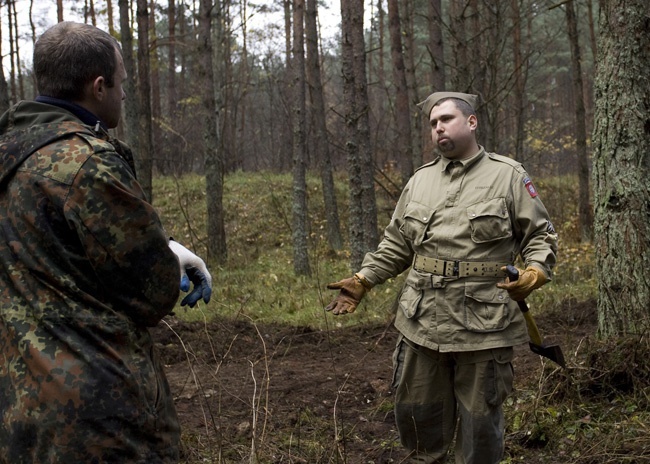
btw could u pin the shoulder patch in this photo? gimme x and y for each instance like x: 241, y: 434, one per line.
x: 528, y: 183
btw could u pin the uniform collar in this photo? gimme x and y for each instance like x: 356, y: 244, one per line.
x: 466, y: 163
x: 82, y: 113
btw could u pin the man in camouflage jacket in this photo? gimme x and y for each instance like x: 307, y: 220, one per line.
x: 459, y: 221
x: 86, y: 267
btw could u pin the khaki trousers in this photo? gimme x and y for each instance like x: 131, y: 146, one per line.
x: 437, y: 393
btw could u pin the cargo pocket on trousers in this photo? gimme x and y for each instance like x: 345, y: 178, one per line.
x: 398, y: 361
x: 499, y: 376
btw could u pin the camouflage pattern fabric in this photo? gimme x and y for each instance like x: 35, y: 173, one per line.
x: 85, y: 270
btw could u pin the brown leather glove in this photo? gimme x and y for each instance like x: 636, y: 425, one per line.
x: 352, y: 291
x: 529, y: 279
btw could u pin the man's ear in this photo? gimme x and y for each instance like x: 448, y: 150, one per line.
x: 99, y: 88
x: 472, y: 121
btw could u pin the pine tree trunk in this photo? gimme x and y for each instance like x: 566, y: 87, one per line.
x: 403, y: 148
x: 584, y: 206
x: 4, y: 88
x: 435, y: 47
x: 143, y: 157
x: 519, y: 84
x: 355, y: 223
x: 369, y: 204
x: 361, y: 166
x: 622, y: 168
x: 214, y: 163
x: 131, y: 103
x: 300, y: 252
x: 321, y: 141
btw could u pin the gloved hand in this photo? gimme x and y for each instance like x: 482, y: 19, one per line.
x: 529, y: 279
x: 352, y: 291
x: 192, y: 269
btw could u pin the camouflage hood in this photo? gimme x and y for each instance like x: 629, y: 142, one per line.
x: 26, y: 127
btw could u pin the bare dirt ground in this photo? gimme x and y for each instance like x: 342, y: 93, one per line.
x: 293, y: 395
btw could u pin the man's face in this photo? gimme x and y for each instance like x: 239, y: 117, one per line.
x: 111, y: 105
x: 453, y: 132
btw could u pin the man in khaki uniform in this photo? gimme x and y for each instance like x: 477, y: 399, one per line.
x: 460, y: 219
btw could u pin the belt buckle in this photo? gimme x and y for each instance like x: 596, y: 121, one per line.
x: 455, y: 268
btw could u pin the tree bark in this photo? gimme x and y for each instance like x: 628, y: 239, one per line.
x: 584, y: 206
x: 109, y: 16
x: 321, y: 140
x: 355, y: 226
x: 4, y: 88
x: 410, y: 48
x: 299, y: 206
x: 154, y: 66
x: 143, y: 157
x: 369, y: 204
x: 622, y: 168
x: 363, y: 208
x: 170, y: 162
x: 435, y: 46
x: 519, y: 84
x: 460, y: 78
x: 403, y: 140
x: 214, y: 163
x: 131, y: 103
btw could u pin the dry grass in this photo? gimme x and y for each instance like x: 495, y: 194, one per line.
x: 596, y: 412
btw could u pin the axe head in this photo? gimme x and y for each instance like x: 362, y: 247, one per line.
x: 552, y: 352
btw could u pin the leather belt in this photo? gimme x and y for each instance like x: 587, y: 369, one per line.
x: 459, y: 268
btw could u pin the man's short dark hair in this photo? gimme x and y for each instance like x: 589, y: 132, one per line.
x: 462, y: 105
x: 70, y: 55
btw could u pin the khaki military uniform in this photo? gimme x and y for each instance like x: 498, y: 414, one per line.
x: 455, y: 225
x: 86, y: 268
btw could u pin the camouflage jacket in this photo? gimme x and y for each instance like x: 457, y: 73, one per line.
x: 85, y: 269
x: 478, y: 211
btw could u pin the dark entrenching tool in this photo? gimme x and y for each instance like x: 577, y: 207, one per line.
x: 552, y: 352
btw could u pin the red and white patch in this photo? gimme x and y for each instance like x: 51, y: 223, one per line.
x: 530, y: 187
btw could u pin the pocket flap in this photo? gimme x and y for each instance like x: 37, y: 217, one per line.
x: 494, y: 207
x: 485, y: 292
x: 419, y: 212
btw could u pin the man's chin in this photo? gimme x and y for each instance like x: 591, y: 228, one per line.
x: 446, y: 146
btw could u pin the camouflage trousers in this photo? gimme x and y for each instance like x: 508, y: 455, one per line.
x: 439, y: 395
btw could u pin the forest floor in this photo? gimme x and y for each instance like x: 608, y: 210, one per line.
x: 284, y: 394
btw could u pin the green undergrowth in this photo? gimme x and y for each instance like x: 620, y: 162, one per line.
x: 258, y: 280
x: 596, y: 411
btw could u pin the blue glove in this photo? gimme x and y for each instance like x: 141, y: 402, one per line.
x: 202, y: 287
x: 194, y: 270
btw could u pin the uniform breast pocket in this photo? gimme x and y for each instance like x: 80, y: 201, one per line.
x: 416, y: 221
x: 489, y: 220
x: 486, y: 307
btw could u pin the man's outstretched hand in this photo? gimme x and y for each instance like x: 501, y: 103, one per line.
x: 352, y: 290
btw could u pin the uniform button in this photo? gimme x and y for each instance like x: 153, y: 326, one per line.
x: 424, y: 218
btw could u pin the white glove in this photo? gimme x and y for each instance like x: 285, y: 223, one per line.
x: 192, y: 269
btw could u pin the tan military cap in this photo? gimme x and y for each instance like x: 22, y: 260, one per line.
x: 434, y: 98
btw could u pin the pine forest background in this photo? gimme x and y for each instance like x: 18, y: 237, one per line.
x: 329, y: 91
x: 517, y: 55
